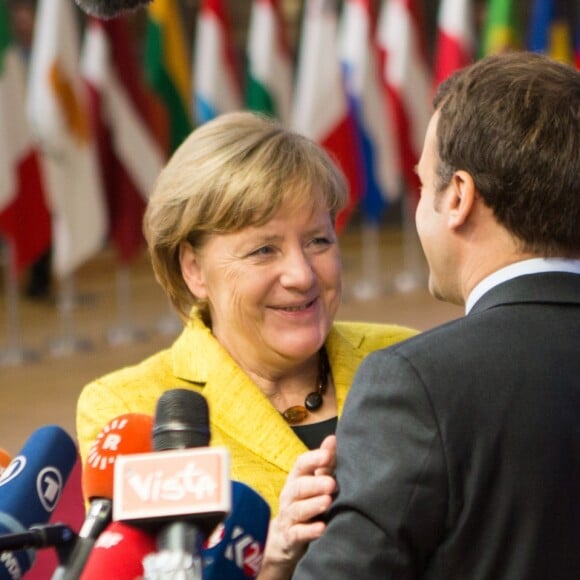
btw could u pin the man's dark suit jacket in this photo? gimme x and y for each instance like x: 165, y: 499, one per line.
x: 459, y: 449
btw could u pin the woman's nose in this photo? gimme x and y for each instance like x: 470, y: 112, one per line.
x: 297, y: 271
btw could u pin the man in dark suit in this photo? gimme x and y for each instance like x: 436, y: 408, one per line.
x: 459, y: 450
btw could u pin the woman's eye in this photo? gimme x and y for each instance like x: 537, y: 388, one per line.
x: 321, y: 241
x: 263, y: 251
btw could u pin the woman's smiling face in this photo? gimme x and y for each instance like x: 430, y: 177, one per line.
x: 273, y: 290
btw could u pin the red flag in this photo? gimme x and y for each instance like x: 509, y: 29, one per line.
x: 122, y: 113
x: 321, y: 110
x: 24, y: 216
x: 407, y: 79
x: 455, y: 35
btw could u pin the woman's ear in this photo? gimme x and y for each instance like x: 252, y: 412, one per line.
x: 192, y: 271
x: 461, y: 199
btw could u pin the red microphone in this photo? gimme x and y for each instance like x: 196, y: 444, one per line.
x: 126, y: 434
x: 119, y: 550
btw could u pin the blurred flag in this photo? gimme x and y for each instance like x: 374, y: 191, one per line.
x: 577, y: 41
x: 168, y: 70
x: 374, y: 118
x: 320, y: 108
x: 270, y: 70
x: 454, y: 46
x: 130, y: 157
x: 217, y: 84
x: 58, y: 109
x: 24, y: 216
x: 501, y: 28
x: 549, y: 31
x: 406, y: 75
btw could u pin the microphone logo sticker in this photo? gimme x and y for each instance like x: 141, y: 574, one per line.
x: 14, y: 469
x: 49, y: 486
x: 170, y: 483
x: 245, y: 551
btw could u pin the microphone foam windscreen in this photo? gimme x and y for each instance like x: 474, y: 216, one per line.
x: 124, y: 435
x: 119, y: 553
x: 181, y: 421
x: 30, y: 489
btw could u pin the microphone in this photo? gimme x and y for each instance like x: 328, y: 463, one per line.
x: 120, y: 549
x: 109, y: 8
x: 126, y: 434
x: 182, y: 493
x: 39, y: 536
x: 30, y: 488
x: 234, y: 550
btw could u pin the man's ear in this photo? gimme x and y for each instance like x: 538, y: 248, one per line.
x: 461, y: 199
x: 192, y: 271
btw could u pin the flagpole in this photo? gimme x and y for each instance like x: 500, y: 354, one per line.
x: 14, y: 353
x: 169, y: 324
x: 413, y: 275
x: 68, y: 343
x: 124, y: 332
x: 371, y: 284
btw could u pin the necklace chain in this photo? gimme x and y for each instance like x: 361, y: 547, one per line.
x: 313, y: 400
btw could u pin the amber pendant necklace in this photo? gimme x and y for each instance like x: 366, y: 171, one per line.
x: 313, y: 401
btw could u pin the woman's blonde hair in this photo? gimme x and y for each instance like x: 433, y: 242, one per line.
x: 235, y: 171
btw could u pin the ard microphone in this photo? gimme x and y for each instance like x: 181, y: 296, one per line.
x: 180, y: 494
x: 110, y: 8
x: 234, y: 550
x: 30, y: 488
x: 119, y: 553
x: 126, y: 434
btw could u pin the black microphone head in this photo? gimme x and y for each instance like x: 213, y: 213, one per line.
x: 181, y: 421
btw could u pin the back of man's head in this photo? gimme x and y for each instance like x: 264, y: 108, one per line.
x: 513, y: 122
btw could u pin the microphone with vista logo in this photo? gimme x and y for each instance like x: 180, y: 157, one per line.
x: 30, y: 488
x: 180, y: 494
x: 126, y: 434
x: 232, y: 552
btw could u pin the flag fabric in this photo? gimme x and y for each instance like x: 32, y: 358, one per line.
x: 501, y: 28
x: 374, y: 118
x: 577, y: 41
x: 454, y: 47
x: 24, y: 215
x: 270, y: 70
x: 59, y: 113
x: 320, y: 108
x: 168, y: 71
x: 130, y: 157
x: 408, y: 81
x: 549, y: 31
x: 217, y: 83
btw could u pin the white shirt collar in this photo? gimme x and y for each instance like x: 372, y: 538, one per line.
x: 531, y: 266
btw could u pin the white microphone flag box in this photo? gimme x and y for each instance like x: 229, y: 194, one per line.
x: 166, y: 484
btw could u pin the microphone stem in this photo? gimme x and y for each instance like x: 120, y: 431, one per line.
x: 178, y: 554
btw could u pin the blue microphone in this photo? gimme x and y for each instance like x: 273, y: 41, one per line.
x: 30, y: 489
x: 234, y: 550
